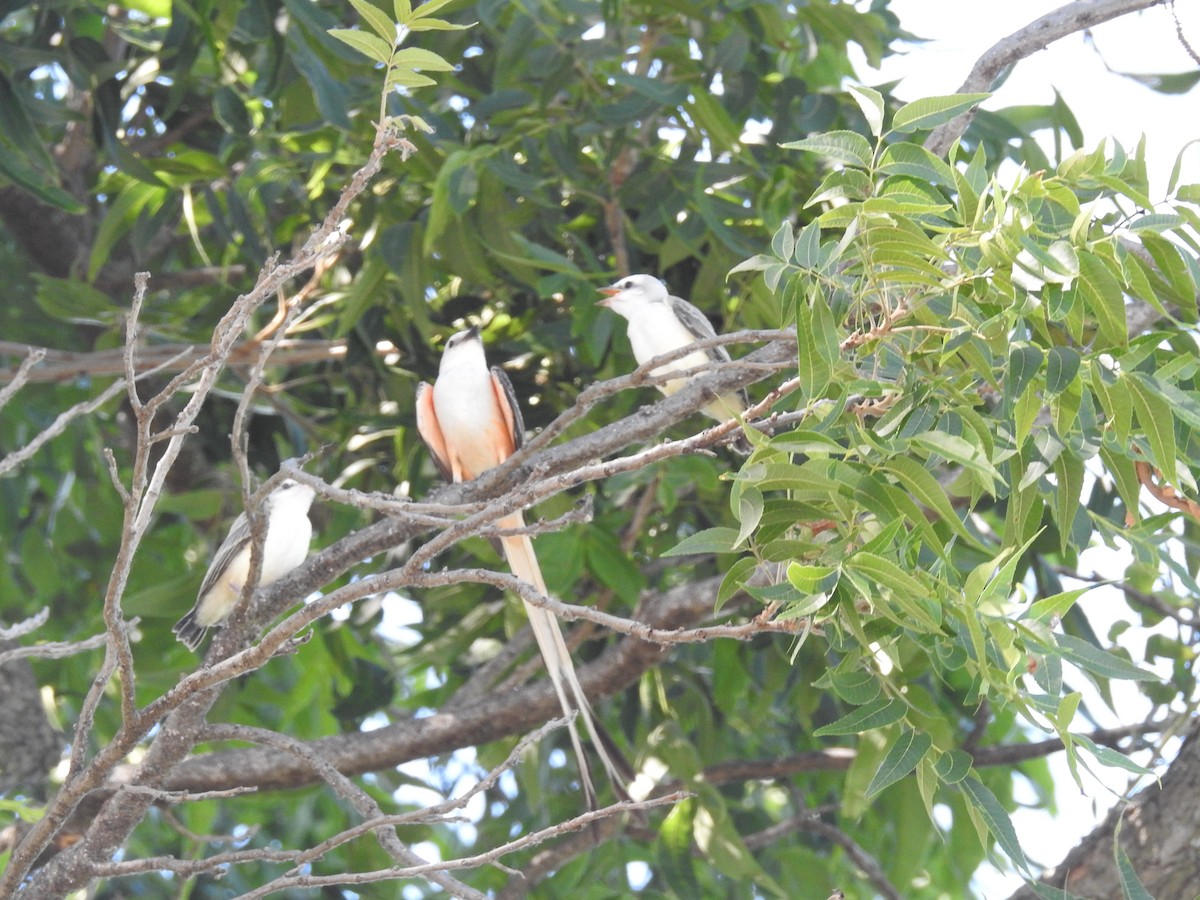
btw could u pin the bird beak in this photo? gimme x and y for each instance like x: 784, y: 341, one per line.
x: 608, y: 292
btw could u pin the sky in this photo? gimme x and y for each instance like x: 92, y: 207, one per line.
x: 1106, y: 104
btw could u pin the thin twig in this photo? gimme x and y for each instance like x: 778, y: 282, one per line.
x: 56, y: 649
x: 19, y: 378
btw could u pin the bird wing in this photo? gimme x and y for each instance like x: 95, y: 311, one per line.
x: 431, y: 432
x: 697, y: 324
x: 234, y: 543
x: 506, y: 398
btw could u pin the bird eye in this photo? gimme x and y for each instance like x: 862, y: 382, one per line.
x: 625, y: 285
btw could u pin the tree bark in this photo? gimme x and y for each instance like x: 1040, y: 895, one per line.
x: 1158, y: 829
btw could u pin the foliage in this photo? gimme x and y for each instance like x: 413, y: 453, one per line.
x: 974, y: 411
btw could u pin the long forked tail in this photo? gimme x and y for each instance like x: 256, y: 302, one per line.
x: 518, y: 549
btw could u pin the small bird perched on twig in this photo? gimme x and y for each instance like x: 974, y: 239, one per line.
x: 659, y: 323
x: 285, y: 546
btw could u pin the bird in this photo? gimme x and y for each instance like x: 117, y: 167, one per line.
x: 470, y: 420
x: 659, y: 323
x: 285, y: 546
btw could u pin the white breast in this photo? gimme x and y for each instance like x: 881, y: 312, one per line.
x: 464, y: 400
x: 656, y: 331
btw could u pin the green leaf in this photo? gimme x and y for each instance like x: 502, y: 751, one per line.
x: 674, y: 849
x: 747, y: 501
x: 959, y: 450
x: 120, y: 218
x: 813, y: 370
x: 933, y: 111
x: 1158, y: 424
x: 438, y: 25
x: 1092, y: 659
x: 808, y: 248
x: 1184, y: 404
x: 1050, y: 609
x: 538, y: 256
x: 711, y: 540
x: 428, y: 8
x: 886, y: 573
x: 73, y: 301
x: 14, y: 169
x: 996, y: 819
x: 918, y: 481
x: 1062, y: 365
x: 722, y: 847
x: 1024, y: 363
x: 1105, y: 300
x: 659, y: 91
x: 813, y: 579
x: 369, y: 45
x: 418, y: 59
x: 25, y: 811
x: 714, y: 119
x: 1131, y: 886
x: 1115, y: 399
x: 376, y: 19
x: 953, y: 766
x: 612, y: 567
x: 1156, y: 222
x: 856, y: 686
x: 915, y: 161
x: 735, y: 580
x: 1107, y: 756
x: 877, y: 714
x: 403, y: 78
x: 870, y: 101
x: 902, y: 757
x: 846, y: 147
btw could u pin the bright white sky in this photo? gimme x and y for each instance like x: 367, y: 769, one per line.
x: 1106, y: 105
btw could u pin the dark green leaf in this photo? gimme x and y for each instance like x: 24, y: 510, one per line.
x: 902, y: 757
x: 953, y: 766
x: 997, y: 820
x: 877, y: 714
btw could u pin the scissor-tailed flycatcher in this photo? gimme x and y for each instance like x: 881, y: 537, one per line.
x: 471, y: 422
x: 660, y: 323
x: 285, y: 546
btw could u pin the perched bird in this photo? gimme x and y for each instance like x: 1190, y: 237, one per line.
x: 285, y: 546
x: 470, y: 420
x: 660, y: 323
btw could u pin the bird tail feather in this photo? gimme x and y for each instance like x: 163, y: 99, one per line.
x: 518, y: 550
x: 190, y: 632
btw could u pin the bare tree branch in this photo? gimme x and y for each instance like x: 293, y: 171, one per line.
x: 1037, y: 35
x: 73, y: 868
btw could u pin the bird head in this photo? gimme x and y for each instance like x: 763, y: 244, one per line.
x: 631, y: 292
x: 292, y: 495
x: 462, y: 346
